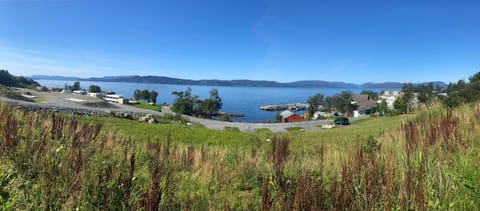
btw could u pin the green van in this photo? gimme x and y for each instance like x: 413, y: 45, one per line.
x: 341, y: 121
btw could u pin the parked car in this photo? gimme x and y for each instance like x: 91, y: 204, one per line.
x: 341, y: 121
x: 329, y: 125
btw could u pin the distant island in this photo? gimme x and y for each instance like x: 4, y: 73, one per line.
x: 235, y: 83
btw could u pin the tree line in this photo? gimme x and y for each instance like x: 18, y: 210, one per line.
x: 188, y: 104
x: 340, y: 102
x: 145, y: 95
x: 76, y: 86
x: 463, y: 92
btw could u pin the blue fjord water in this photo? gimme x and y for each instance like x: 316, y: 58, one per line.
x: 245, y: 100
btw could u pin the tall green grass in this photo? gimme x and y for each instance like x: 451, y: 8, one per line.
x: 51, y: 161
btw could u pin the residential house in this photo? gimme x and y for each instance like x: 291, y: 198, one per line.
x: 389, y: 97
x: 363, y: 104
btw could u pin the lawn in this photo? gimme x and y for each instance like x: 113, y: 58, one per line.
x: 198, y: 135
x: 344, y: 135
x: 145, y: 105
x: 180, y: 133
x: 39, y: 100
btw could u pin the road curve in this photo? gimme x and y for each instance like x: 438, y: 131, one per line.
x: 250, y: 127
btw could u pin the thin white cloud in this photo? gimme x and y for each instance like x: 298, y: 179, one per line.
x: 33, y: 62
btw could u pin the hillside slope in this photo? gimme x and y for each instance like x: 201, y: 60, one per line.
x: 7, y: 79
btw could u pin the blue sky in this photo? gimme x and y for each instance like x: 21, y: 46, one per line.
x: 351, y: 41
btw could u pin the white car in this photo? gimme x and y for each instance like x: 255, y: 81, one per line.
x: 328, y: 126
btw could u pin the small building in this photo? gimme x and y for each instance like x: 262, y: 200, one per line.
x: 320, y: 115
x: 80, y: 92
x: 93, y: 94
x: 289, y: 116
x: 114, y: 98
x: 123, y: 101
x: 363, y: 105
x: 66, y: 91
x: 294, y: 118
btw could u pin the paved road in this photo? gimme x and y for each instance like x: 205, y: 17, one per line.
x: 251, y: 127
x: 61, y: 101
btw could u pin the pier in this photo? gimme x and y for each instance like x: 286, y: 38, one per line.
x: 291, y: 107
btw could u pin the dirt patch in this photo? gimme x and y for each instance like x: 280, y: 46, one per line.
x: 9, y: 93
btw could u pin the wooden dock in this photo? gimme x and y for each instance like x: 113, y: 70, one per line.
x: 291, y: 107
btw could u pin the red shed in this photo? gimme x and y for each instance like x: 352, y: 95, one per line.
x: 289, y: 116
x: 294, y: 118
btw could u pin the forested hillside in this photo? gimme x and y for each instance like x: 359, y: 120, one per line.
x: 7, y: 79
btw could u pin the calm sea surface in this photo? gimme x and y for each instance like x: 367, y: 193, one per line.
x: 246, y: 100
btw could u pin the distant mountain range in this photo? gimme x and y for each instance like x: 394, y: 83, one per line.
x: 236, y: 83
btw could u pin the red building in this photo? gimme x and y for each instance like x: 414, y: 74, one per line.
x: 294, y: 118
x: 288, y: 116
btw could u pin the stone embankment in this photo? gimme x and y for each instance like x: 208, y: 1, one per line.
x: 70, y: 110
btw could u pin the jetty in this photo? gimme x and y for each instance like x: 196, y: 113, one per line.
x: 291, y: 107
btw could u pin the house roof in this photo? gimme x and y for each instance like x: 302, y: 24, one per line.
x: 287, y: 113
x: 360, y: 97
x: 364, y: 102
x: 367, y: 105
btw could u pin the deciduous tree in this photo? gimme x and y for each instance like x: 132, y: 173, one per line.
x: 187, y: 104
x: 314, y: 102
x: 153, y: 96
x: 372, y: 94
x: 184, y: 102
x: 76, y: 86
x: 408, y: 96
x: 94, y: 89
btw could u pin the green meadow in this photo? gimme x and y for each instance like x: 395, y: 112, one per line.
x: 427, y: 160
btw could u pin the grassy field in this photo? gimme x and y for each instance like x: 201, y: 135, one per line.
x: 348, y: 135
x: 39, y: 100
x: 198, y: 135
x: 429, y: 160
x: 145, y: 105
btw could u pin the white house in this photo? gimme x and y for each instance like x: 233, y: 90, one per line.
x: 389, y: 97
